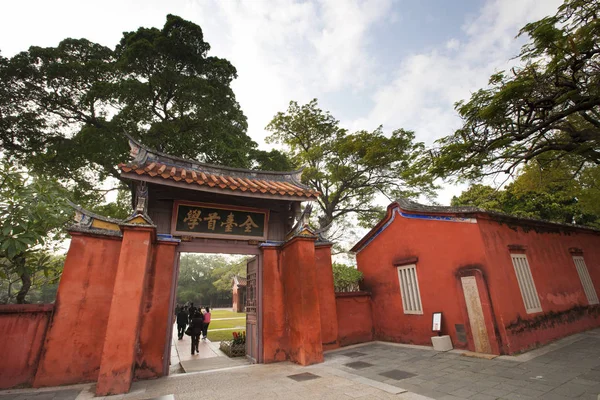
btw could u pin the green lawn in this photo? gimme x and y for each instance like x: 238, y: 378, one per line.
x: 218, y: 336
x: 227, y: 323
x: 214, y: 314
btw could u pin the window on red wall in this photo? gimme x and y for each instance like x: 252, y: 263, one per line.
x: 409, y: 289
x: 526, y: 284
x: 586, y: 280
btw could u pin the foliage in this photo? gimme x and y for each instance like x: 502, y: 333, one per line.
x: 239, y: 337
x: 545, y: 190
x: 346, y: 278
x: 349, y: 169
x: 206, y: 279
x: 549, y: 105
x: 32, y: 212
x: 47, y: 269
x: 60, y: 105
x: 235, y: 347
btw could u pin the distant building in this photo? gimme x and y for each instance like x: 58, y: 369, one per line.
x: 239, y: 293
x: 503, y: 284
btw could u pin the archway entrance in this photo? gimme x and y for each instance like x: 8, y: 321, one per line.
x: 117, y: 295
x: 209, y: 280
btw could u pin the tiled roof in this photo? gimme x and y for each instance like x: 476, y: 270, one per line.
x: 240, y: 280
x: 158, y: 166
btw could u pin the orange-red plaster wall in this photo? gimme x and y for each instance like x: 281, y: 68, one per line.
x: 275, y: 336
x: 301, y: 301
x: 235, y: 298
x: 124, y: 321
x: 354, y: 318
x: 327, y: 303
x: 564, y: 304
x: 73, y: 345
x: 155, y: 329
x: 22, y: 329
x: 443, y: 248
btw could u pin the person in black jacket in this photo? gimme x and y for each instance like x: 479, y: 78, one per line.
x: 196, y: 327
x: 191, y: 312
x: 182, y: 320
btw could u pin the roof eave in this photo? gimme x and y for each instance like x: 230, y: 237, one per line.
x: 184, y: 185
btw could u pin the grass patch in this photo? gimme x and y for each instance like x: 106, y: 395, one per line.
x: 218, y: 336
x: 227, y: 323
x: 214, y: 314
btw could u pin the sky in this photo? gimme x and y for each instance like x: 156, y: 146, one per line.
x: 395, y: 63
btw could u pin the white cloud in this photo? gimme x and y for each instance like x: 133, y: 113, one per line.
x: 426, y: 85
x: 289, y: 50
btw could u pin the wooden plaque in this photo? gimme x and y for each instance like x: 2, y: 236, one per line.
x: 219, y: 221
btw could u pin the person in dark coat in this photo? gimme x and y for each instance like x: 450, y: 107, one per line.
x: 182, y: 320
x: 191, y: 312
x: 196, y: 327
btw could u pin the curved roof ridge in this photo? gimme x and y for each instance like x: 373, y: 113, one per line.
x: 142, y: 154
x: 409, y: 205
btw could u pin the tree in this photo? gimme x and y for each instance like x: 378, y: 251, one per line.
x: 349, y: 169
x: 548, y: 105
x: 544, y: 190
x: 64, y: 110
x: 32, y: 212
x: 206, y: 279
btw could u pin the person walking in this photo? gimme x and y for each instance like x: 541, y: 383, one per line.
x: 182, y: 321
x: 191, y: 312
x: 196, y: 328
x: 206, y: 323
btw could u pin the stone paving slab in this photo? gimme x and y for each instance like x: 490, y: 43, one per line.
x: 570, y: 369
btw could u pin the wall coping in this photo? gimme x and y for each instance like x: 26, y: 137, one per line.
x: 353, y: 294
x: 25, y: 308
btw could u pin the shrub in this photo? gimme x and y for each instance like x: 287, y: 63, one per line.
x: 346, y: 278
x: 235, y: 347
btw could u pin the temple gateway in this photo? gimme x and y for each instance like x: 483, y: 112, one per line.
x: 113, y: 317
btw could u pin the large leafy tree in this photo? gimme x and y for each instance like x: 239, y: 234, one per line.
x: 546, y: 190
x: 64, y: 110
x: 33, y: 212
x: 550, y: 104
x: 206, y: 279
x: 349, y: 169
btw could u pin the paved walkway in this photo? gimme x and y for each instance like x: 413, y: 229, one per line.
x: 567, y: 369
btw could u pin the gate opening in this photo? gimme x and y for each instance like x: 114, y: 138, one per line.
x: 216, y: 309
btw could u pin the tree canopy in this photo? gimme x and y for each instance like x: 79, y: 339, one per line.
x: 33, y: 211
x: 206, y: 280
x: 549, y: 104
x: 64, y: 110
x: 544, y: 190
x: 349, y: 169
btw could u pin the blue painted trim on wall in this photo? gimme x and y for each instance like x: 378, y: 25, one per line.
x: 445, y: 218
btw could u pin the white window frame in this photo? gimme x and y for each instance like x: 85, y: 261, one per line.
x: 410, y: 292
x: 586, y: 280
x: 529, y: 293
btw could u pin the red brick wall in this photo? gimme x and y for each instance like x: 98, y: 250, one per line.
x: 73, y: 345
x: 354, y: 318
x: 22, y: 329
x: 565, y: 308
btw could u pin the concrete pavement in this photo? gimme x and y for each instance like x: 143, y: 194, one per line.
x: 567, y: 369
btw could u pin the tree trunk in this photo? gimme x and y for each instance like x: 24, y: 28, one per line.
x: 26, y: 279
